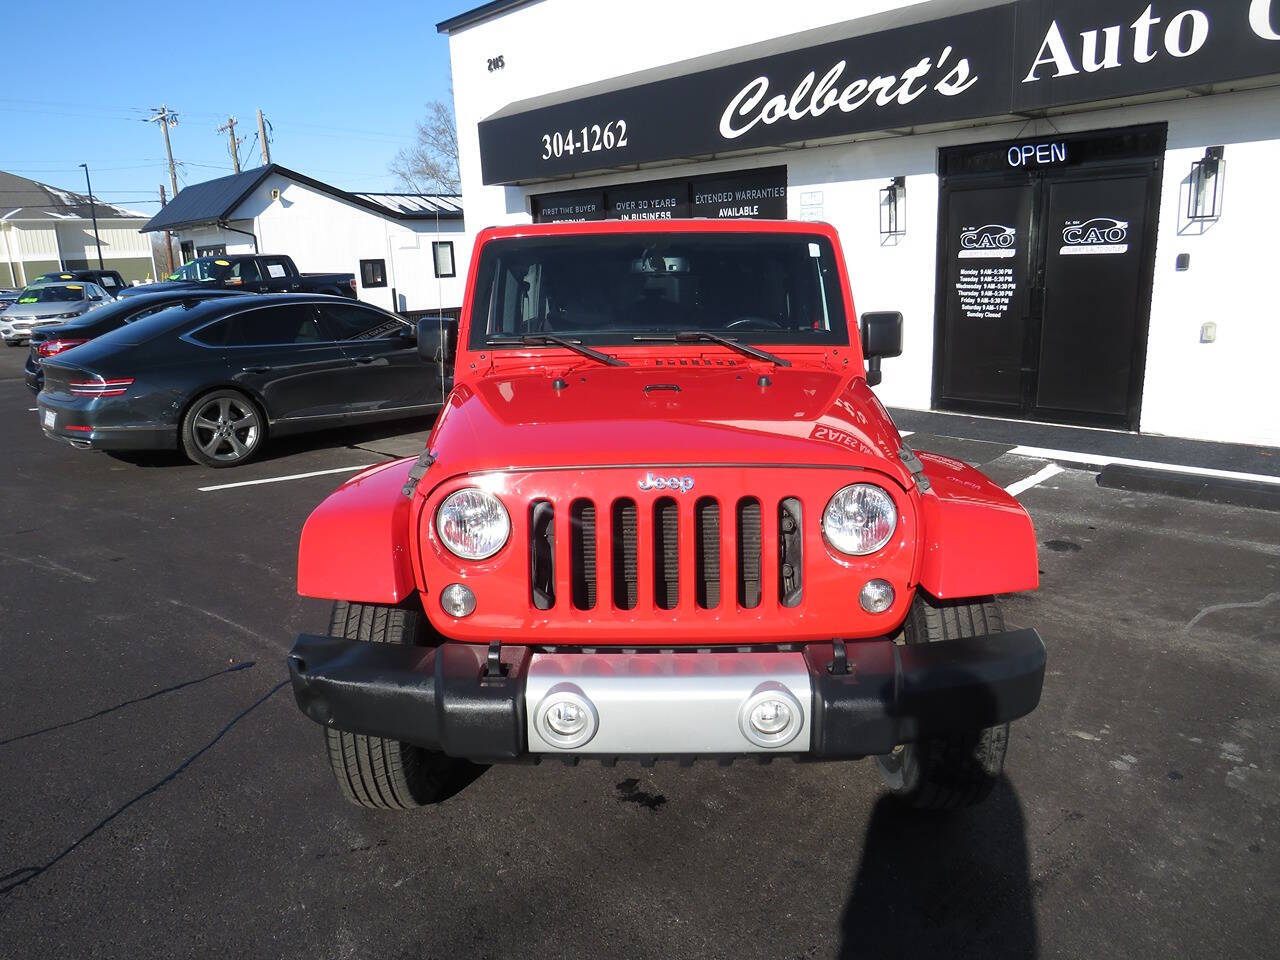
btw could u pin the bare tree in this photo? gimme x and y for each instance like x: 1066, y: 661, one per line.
x: 430, y: 165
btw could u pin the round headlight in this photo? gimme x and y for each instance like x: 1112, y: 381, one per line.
x: 859, y: 519
x: 473, y: 524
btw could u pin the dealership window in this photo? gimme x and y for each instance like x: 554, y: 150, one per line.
x: 213, y: 250
x: 442, y: 253
x: 373, y: 273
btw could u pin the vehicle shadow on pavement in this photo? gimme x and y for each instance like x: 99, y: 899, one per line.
x: 943, y: 884
x: 335, y: 439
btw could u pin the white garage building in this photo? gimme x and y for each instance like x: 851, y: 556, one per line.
x: 1073, y: 202
x: 408, y: 251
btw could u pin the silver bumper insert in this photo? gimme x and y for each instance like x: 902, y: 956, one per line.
x: 674, y: 703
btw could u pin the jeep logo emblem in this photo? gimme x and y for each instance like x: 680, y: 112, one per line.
x: 650, y: 482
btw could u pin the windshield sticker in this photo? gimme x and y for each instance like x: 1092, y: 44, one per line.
x: 223, y: 263
x: 74, y: 286
x: 1101, y: 235
x: 27, y: 300
x: 275, y: 270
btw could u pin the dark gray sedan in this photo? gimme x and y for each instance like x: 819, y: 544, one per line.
x: 215, y: 378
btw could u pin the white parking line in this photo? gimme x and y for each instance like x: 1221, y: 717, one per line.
x: 1040, y: 476
x: 32, y: 409
x: 1100, y: 460
x: 292, y: 476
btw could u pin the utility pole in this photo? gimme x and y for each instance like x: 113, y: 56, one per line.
x: 166, y: 118
x: 93, y: 212
x: 229, y: 128
x: 168, y: 237
x: 262, y: 138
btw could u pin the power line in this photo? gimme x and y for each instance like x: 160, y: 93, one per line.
x: 233, y: 144
x: 165, y: 118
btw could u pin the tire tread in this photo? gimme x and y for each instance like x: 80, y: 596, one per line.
x: 376, y: 772
x: 958, y: 769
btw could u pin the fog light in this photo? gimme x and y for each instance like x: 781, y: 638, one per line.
x: 876, y: 596
x: 457, y: 600
x: 771, y: 717
x: 566, y: 718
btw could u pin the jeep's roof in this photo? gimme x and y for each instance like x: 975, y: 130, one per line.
x: 693, y: 225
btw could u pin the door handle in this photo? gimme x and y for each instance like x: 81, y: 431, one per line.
x: 256, y: 369
x: 365, y: 359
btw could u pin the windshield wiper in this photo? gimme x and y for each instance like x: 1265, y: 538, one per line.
x: 701, y: 336
x: 543, y: 339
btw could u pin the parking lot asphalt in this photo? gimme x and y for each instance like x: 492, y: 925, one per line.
x: 161, y: 796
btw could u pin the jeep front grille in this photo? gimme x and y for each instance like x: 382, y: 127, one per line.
x: 686, y: 565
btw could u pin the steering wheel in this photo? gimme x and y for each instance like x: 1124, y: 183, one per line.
x: 766, y: 323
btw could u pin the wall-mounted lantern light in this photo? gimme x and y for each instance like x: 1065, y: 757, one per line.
x: 893, y: 208
x: 1204, y: 198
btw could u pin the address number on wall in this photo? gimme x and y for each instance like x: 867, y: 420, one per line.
x: 497, y: 63
x: 589, y: 139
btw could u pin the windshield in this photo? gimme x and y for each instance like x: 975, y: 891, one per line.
x: 204, y: 270
x: 762, y: 288
x: 53, y: 293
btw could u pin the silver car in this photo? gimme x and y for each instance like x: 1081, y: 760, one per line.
x: 43, y: 304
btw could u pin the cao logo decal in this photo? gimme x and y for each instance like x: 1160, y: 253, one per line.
x: 650, y: 482
x: 1101, y: 235
x: 989, y: 240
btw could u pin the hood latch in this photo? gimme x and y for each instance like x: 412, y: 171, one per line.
x: 908, y: 457
x: 420, y: 466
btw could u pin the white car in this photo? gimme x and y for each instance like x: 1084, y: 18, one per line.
x: 47, y: 303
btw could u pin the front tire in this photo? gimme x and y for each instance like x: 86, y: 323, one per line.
x: 223, y: 428
x: 961, y: 768
x: 375, y: 772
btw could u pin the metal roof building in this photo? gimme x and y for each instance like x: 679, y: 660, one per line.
x: 45, y: 228
x: 405, y: 249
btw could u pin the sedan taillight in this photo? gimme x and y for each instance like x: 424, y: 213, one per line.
x: 100, y: 388
x: 48, y: 348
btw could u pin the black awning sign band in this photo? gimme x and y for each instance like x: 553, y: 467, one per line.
x: 813, y: 99
x: 1008, y: 59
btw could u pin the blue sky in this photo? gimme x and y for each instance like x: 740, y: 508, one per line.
x: 342, y: 84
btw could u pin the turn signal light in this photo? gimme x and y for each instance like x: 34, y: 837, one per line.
x: 48, y: 348
x: 100, y: 387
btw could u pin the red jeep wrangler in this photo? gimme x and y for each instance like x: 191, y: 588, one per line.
x: 662, y: 515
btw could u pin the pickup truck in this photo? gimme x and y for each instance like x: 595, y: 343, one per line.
x: 252, y: 273
x: 662, y: 515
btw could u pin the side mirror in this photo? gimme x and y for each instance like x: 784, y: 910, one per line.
x: 436, y: 339
x: 881, y: 338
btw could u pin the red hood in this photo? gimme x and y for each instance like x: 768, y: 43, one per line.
x: 720, y: 415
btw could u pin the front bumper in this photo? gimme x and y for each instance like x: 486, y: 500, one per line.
x: 666, y: 703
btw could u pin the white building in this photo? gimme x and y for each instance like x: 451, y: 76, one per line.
x: 44, y: 229
x: 408, y: 251
x: 1072, y: 202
